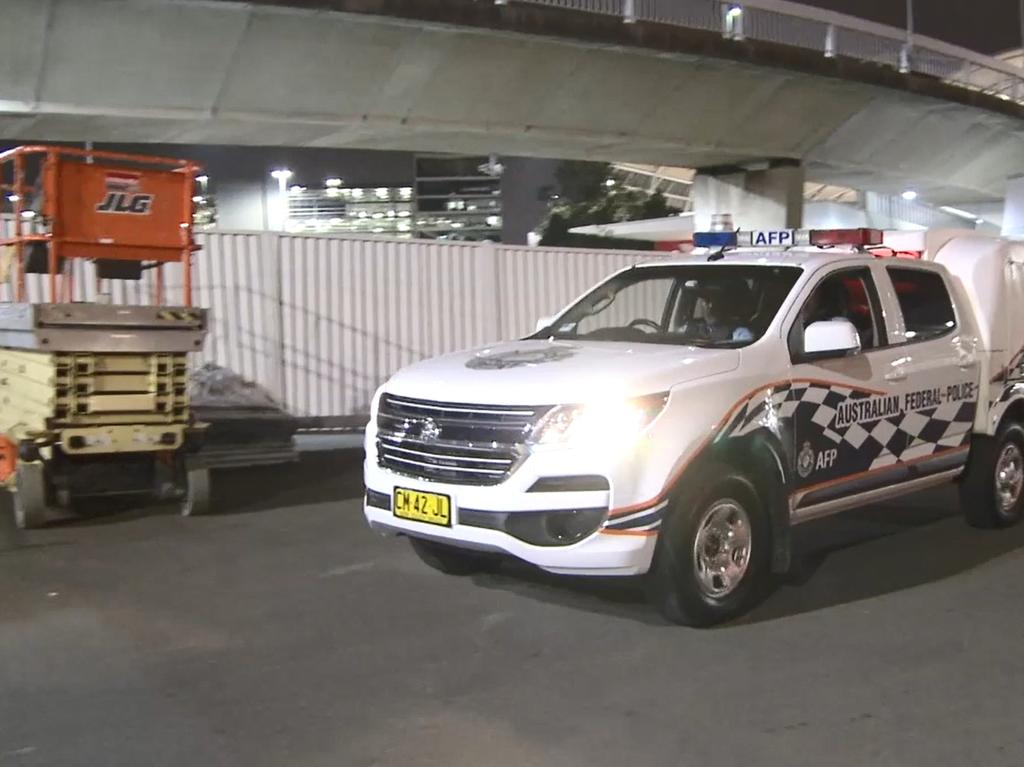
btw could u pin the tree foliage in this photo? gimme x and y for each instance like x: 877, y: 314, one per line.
x: 584, y: 198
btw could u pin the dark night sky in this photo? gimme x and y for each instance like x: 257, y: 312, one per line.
x: 983, y: 25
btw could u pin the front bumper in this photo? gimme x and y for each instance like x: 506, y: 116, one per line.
x: 607, y: 551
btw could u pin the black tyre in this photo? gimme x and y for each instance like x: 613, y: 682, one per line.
x: 31, y: 496
x: 713, y: 556
x: 10, y: 536
x: 197, y: 500
x: 452, y: 560
x: 991, y: 491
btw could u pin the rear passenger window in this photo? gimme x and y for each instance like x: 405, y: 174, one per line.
x: 925, y: 303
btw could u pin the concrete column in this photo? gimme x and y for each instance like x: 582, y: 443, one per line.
x: 768, y: 195
x: 1013, y: 207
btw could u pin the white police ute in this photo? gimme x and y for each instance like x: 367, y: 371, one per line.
x: 681, y: 417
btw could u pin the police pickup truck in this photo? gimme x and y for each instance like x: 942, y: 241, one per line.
x: 681, y: 417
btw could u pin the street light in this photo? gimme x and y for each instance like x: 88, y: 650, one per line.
x: 282, y: 175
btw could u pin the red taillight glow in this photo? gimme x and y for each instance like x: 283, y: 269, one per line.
x: 859, y: 237
x: 890, y: 253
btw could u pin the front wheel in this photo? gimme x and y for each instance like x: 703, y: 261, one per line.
x: 713, y: 553
x: 992, y: 491
x: 452, y: 560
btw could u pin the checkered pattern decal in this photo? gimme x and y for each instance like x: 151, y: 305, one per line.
x: 865, y: 437
x: 837, y: 431
x: 1012, y: 390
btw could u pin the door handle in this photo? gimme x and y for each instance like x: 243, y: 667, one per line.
x: 966, y: 352
x: 896, y: 375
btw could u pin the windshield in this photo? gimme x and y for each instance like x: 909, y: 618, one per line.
x: 700, y: 305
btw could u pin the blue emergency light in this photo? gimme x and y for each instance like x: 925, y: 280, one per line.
x: 715, y: 239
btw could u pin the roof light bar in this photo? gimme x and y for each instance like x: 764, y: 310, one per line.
x: 787, y: 238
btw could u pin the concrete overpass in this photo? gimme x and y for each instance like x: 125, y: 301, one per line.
x: 474, y: 76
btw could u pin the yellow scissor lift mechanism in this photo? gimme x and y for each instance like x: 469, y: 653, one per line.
x: 94, y: 396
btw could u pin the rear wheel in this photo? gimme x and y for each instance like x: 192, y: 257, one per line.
x: 992, y: 491
x: 197, y: 493
x: 31, y: 509
x: 712, y: 558
x: 9, y: 535
x: 452, y: 560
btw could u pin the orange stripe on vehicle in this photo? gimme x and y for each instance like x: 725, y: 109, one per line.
x: 643, y: 533
x: 898, y: 465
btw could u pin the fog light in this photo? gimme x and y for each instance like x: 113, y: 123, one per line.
x: 554, y: 528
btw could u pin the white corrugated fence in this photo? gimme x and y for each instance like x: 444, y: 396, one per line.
x: 330, y: 318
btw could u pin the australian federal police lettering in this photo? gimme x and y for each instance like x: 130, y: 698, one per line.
x: 862, y: 410
x: 876, y: 408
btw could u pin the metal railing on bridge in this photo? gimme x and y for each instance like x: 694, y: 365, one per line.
x: 829, y: 33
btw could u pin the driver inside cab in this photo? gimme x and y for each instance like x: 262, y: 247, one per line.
x: 726, y: 310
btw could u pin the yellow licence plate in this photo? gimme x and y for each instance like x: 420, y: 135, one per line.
x: 432, y: 508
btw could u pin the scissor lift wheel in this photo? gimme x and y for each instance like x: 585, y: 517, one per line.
x: 197, y: 493
x: 30, y: 506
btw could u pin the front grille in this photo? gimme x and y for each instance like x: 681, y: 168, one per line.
x: 448, y: 442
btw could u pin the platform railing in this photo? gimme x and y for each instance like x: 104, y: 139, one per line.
x: 827, y: 32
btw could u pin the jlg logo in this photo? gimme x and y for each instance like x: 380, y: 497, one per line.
x: 119, y: 202
x: 123, y: 196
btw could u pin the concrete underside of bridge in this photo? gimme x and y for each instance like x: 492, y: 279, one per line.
x: 473, y: 77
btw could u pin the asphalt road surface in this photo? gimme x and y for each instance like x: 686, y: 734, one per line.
x: 282, y: 632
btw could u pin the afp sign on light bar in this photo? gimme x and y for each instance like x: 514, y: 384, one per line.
x: 773, y: 238
x: 788, y: 238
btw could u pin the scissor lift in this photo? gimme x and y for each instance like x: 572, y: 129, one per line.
x: 94, y: 395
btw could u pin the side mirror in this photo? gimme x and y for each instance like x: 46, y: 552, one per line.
x: 544, y: 322
x: 830, y: 338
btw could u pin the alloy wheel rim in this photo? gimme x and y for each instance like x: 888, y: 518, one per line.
x: 721, y: 548
x: 1009, y: 477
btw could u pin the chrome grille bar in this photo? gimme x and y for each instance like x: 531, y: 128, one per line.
x: 498, y: 472
x: 454, y: 408
x: 449, y: 457
x: 458, y: 443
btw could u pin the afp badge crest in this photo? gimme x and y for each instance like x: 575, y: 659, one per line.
x: 805, y: 461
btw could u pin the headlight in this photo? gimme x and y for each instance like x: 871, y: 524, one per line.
x: 601, y: 424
